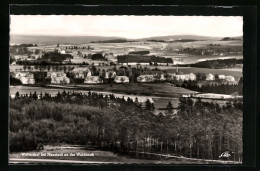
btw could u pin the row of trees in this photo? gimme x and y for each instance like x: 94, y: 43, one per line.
x: 145, y: 59
x: 48, y: 68
x: 78, y: 47
x: 215, y: 88
x: 213, y: 50
x: 112, y: 41
x: 200, y: 130
x: 98, y: 56
x: 139, y: 53
x: 220, y: 63
x: 55, y: 57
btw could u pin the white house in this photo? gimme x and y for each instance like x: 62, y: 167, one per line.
x: 25, y: 77
x: 158, y: 75
x: 180, y: 77
x: 81, y: 72
x: 230, y: 78
x: 145, y: 78
x: 93, y: 80
x: 58, y: 78
x: 190, y: 76
x: 210, y: 77
x: 121, y: 79
x: 62, y: 52
x: 222, y: 77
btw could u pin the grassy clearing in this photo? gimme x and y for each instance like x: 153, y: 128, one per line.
x: 153, y: 89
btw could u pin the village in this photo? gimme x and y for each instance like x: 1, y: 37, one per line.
x: 65, y: 66
x: 59, y: 77
x: 126, y: 89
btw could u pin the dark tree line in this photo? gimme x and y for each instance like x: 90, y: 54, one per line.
x: 98, y: 56
x: 55, y: 57
x: 217, y: 64
x: 139, y: 53
x: 200, y: 130
x: 111, y: 41
x: 215, y: 88
x: 78, y: 47
x: 145, y: 59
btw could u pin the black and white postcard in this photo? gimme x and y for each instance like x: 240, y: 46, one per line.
x: 126, y: 89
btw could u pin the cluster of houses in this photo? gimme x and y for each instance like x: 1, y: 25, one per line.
x: 180, y: 76
x: 58, y: 78
x: 228, y: 78
x: 151, y: 76
x: 145, y: 77
x: 25, y: 77
x: 85, y: 74
x: 78, y: 73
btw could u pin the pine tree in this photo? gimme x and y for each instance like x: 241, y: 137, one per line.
x: 148, y: 105
x: 169, y: 108
x: 34, y: 96
x: 17, y: 95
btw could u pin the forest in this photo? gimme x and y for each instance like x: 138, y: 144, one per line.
x: 215, y: 88
x: 147, y: 59
x: 218, y: 64
x: 98, y: 56
x: 55, y: 57
x: 139, y: 53
x: 199, y: 130
x: 111, y: 41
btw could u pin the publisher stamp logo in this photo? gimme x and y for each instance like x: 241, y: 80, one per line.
x: 225, y: 154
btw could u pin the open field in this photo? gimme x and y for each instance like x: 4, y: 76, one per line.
x: 204, y: 44
x: 156, y: 89
x: 165, y: 49
x: 155, y: 93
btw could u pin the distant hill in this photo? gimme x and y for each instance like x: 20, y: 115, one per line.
x: 186, y: 38
x: 231, y: 38
x: 50, y: 40
x: 111, y: 41
x: 22, y: 39
x: 180, y: 37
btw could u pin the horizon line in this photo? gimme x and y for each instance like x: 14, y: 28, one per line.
x: 119, y: 36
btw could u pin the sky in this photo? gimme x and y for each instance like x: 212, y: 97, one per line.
x: 126, y: 26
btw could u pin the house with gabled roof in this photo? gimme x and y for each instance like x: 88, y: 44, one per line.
x: 58, y: 78
x: 25, y: 77
x: 81, y: 72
